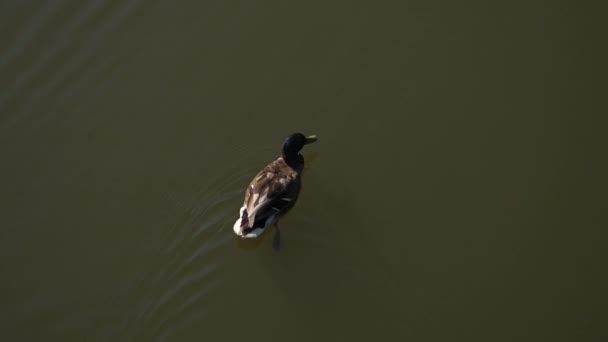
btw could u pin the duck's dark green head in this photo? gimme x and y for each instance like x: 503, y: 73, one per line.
x: 293, y: 144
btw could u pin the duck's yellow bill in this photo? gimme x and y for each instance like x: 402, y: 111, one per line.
x: 310, y: 139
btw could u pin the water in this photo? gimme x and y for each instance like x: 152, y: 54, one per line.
x: 456, y: 191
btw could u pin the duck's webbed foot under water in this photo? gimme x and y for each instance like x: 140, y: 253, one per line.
x: 276, y: 240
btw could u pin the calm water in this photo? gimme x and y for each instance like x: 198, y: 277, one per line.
x: 457, y: 191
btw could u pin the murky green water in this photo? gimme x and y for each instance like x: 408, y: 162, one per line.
x: 456, y: 193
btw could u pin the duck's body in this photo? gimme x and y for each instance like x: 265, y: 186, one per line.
x: 273, y: 190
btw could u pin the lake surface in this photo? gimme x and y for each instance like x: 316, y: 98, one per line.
x: 457, y: 191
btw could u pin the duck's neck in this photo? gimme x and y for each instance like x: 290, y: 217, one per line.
x: 292, y: 159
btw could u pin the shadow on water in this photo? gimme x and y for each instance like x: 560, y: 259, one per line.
x: 255, y: 243
x: 331, y: 259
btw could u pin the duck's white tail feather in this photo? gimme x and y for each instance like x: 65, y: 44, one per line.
x: 255, y: 232
x: 237, y: 224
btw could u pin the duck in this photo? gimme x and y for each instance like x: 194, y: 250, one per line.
x: 273, y: 190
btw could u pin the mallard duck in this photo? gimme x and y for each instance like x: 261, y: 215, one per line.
x: 273, y: 190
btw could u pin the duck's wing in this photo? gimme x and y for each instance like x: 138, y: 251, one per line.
x: 271, y: 192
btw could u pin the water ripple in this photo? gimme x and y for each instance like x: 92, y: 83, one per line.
x: 68, y: 61
x: 196, y: 240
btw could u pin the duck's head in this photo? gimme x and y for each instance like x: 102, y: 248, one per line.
x: 293, y: 144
